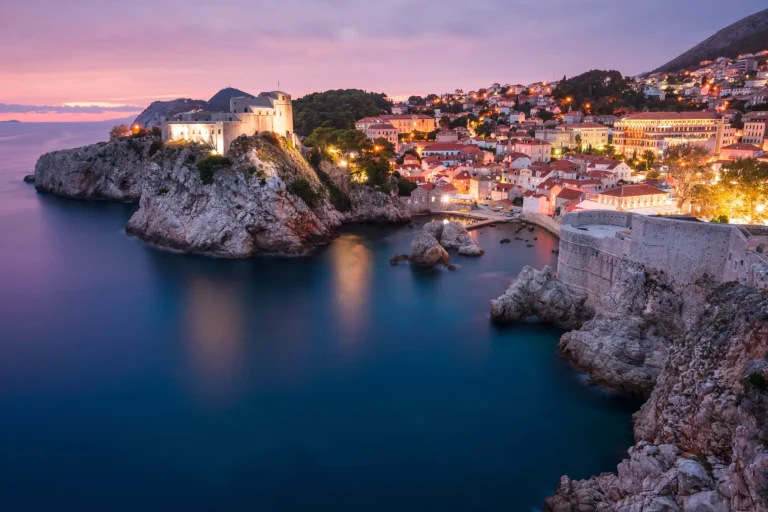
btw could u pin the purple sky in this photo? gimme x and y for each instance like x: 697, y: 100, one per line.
x: 55, y: 52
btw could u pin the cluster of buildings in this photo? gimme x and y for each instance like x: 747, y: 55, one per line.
x: 718, y: 82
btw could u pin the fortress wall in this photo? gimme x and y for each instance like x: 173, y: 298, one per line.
x: 603, y: 217
x: 744, y: 264
x: 684, y: 250
x: 588, y: 264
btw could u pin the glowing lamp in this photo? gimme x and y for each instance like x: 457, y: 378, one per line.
x: 445, y: 221
x: 447, y: 199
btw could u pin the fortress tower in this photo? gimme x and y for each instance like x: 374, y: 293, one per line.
x: 269, y: 111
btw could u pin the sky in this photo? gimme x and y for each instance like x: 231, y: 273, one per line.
x: 85, y: 60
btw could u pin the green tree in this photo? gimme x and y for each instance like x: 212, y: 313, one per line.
x: 384, y: 148
x: 688, y: 168
x: 746, y: 182
x: 445, y: 122
x: 336, y: 109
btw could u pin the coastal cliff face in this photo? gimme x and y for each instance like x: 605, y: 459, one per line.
x: 703, y: 434
x: 111, y: 171
x: 625, y: 345
x: 264, y: 198
x: 371, y: 206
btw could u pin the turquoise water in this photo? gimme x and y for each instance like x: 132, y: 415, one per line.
x: 137, y: 379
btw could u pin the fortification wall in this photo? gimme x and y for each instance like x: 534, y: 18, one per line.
x: 683, y: 250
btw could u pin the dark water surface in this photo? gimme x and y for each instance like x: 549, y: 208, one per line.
x: 137, y: 379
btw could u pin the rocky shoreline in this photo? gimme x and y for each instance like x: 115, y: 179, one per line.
x: 698, y: 352
x: 262, y: 198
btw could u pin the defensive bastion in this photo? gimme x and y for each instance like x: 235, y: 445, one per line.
x: 594, y: 244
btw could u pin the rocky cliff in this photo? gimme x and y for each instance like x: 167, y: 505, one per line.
x: 111, y: 170
x: 153, y: 115
x: 263, y: 198
x: 702, y: 437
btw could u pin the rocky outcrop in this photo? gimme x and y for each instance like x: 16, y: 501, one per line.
x: 453, y: 236
x: 264, y: 198
x: 426, y: 251
x: 539, y: 293
x: 624, y: 346
x: 703, y: 433
x: 153, y: 115
x: 371, y: 206
x: 111, y: 170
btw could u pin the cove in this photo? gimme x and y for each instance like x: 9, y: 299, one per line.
x: 133, y: 378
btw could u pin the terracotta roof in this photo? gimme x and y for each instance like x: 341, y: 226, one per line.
x: 633, y: 190
x: 743, y: 146
x: 427, y: 186
x: 504, y: 187
x: 570, y: 194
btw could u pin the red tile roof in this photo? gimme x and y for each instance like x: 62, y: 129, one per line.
x: 742, y: 146
x: 570, y: 194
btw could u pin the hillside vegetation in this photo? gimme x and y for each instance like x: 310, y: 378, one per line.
x: 336, y: 109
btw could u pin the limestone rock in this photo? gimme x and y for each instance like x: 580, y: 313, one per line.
x: 153, y: 115
x: 624, y: 346
x: 453, y: 236
x: 111, y: 170
x: 426, y: 251
x: 371, y: 206
x: 246, y: 209
x: 539, y: 293
x: 471, y: 250
x: 702, y: 433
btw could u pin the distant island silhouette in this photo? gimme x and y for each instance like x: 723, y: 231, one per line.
x: 11, y: 121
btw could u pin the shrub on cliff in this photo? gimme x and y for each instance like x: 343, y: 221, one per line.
x: 209, y: 165
x: 120, y: 130
x: 339, y: 199
x: 303, y: 190
x: 405, y: 187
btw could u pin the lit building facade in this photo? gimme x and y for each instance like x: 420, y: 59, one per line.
x: 658, y: 131
x: 404, y: 123
x: 248, y: 115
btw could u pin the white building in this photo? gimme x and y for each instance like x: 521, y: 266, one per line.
x: 248, y: 115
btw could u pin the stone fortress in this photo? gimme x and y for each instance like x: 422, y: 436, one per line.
x: 248, y: 115
x: 595, y: 244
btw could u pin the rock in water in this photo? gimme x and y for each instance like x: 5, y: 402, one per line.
x: 397, y: 258
x: 108, y: 170
x: 29, y: 178
x: 539, y: 293
x: 452, y: 235
x: 426, y: 251
x: 263, y: 198
x: 471, y: 250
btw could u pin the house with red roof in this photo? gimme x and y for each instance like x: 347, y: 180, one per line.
x: 535, y: 203
x: 508, y: 191
x: 739, y: 151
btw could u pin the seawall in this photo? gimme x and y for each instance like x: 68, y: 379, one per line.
x: 543, y: 221
x: 594, y: 244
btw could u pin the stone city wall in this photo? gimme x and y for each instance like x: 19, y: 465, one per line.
x: 684, y: 250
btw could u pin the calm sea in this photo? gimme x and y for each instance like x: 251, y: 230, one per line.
x: 136, y: 379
